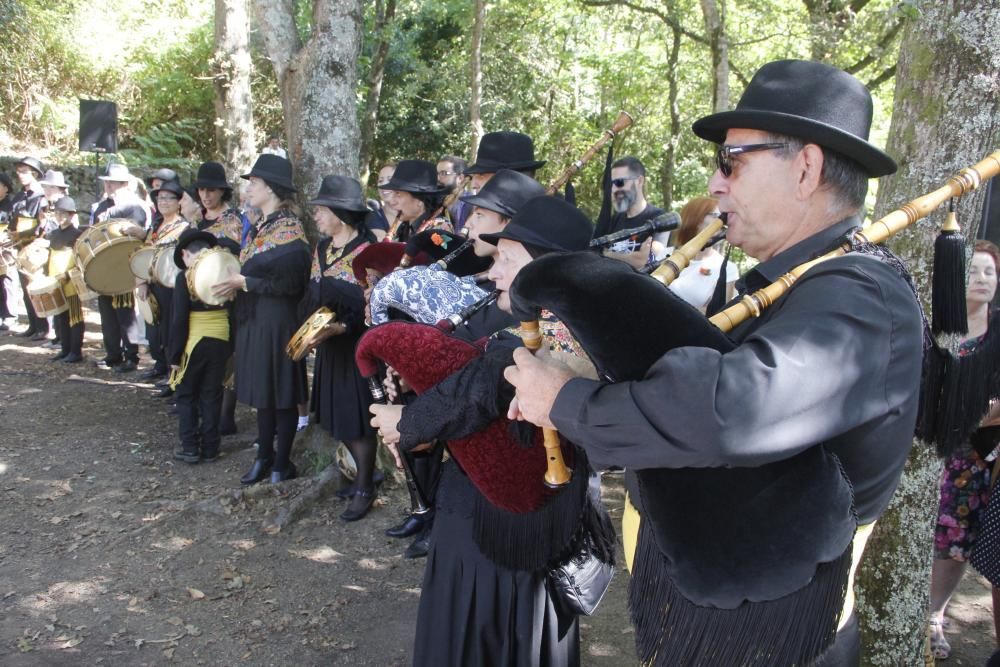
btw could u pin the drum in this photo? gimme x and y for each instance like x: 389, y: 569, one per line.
x: 149, y: 308
x: 306, y: 337
x: 208, y: 268
x: 47, y: 296
x: 33, y: 257
x: 102, y: 254
x: 82, y: 290
x: 61, y: 261
x: 141, y: 261
x: 162, y: 270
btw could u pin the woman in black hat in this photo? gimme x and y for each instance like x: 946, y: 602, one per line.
x: 417, y: 198
x: 219, y: 218
x: 268, y: 290
x: 340, y: 396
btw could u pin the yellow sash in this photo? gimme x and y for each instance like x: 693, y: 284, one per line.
x: 203, y: 324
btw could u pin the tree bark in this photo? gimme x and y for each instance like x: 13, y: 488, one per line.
x: 231, y: 67
x: 318, y: 82
x: 670, y: 154
x: 946, y: 117
x: 476, y: 77
x: 376, y: 73
x: 714, y: 12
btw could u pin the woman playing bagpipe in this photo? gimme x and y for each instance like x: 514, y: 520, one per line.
x: 485, y: 597
x: 269, y: 287
x: 416, y: 196
x: 340, y: 396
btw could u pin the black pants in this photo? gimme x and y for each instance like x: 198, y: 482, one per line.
x: 35, y: 323
x: 70, y: 337
x: 118, y: 330
x: 158, y: 335
x: 199, y: 397
x: 276, y: 423
x: 156, y: 349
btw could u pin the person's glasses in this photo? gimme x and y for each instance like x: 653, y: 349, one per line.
x: 724, y: 156
x: 447, y: 173
x: 620, y: 182
x: 166, y: 198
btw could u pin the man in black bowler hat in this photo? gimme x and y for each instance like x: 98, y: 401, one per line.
x: 503, y: 150
x: 25, y: 217
x: 821, y: 388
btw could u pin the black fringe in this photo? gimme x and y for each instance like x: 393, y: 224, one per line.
x: 537, y: 540
x: 790, y: 631
x: 948, y: 285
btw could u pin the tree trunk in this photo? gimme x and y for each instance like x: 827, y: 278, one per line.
x: 318, y: 83
x: 476, y: 77
x: 376, y: 73
x: 670, y: 154
x: 946, y: 117
x: 231, y: 67
x: 714, y: 12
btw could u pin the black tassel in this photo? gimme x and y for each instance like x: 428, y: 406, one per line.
x: 948, y: 287
x: 603, y: 224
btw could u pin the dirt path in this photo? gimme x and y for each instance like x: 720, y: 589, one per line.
x: 114, y: 554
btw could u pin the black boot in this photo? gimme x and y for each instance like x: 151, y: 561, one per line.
x: 258, y: 472
x: 289, y: 473
x: 410, y: 527
x: 187, y: 454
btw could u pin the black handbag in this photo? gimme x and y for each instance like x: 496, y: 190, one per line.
x: 579, y: 583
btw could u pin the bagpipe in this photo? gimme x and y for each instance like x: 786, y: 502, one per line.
x: 666, y: 222
x: 694, y: 584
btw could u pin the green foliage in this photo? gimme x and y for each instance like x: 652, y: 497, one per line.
x: 163, y: 145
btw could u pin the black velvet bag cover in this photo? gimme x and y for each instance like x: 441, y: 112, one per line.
x: 725, y: 537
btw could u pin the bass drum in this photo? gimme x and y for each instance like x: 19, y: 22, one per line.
x: 162, y: 270
x: 102, y: 254
x: 208, y: 268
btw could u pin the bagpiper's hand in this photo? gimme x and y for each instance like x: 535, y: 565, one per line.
x: 386, y: 421
x: 537, y: 383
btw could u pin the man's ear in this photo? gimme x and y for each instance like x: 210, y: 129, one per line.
x: 809, y: 162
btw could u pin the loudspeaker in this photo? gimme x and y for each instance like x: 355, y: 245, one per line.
x: 98, y: 126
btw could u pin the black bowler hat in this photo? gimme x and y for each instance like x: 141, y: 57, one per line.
x: 340, y: 192
x: 32, y: 162
x: 505, y: 192
x: 505, y: 150
x: 187, y: 237
x: 66, y: 204
x: 811, y: 101
x: 548, y: 223
x: 164, y: 175
x: 415, y: 177
x: 170, y: 186
x: 211, y: 175
x: 273, y: 170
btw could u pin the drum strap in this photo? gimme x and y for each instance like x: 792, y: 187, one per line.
x: 203, y: 324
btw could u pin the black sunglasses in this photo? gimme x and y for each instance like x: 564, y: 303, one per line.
x: 620, y: 182
x: 724, y: 156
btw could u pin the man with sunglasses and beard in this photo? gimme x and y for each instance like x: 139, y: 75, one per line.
x: 631, y: 210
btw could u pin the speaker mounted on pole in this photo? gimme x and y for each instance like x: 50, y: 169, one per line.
x: 98, y: 126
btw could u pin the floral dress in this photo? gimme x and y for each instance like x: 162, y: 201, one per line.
x: 965, y: 490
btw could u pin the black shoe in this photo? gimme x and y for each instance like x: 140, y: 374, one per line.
x: 345, y: 492
x: 153, y: 374
x: 413, y: 525
x: 4, y: 327
x: 59, y: 357
x: 257, y: 472
x: 126, y: 366
x: 418, y: 548
x: 290, y: 473
x: 227, y: 429
x: 360, y: 504
x: 28, y: 333
x: 108, y: 364
x: 187, y: 456
x: 165, y: 392
x: 207, y: 456
x: 72, y: 358
x: 38, y: 336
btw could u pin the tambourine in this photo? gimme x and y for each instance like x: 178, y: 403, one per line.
x: 208, y: 268
x: 307, y: 337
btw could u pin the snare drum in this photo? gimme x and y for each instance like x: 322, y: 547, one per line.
x: 162, y: 270
x: 47, y: 296
x: 149, y: 308
x: 75, y: 276
x: 141, y: 261
x: 306, y: 337
x: 33, y: 258
x: 210, y: 267
x: 102, y: 254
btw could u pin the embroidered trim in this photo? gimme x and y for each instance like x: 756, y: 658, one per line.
x: 282, y: 230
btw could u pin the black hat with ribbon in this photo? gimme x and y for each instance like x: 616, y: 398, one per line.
x: 547, y: 223
x: 273, y: 169
x: 505, y: 150
x: 66, y: 205
x: 812, y: 101
x: 415, y: 177
x: 32, y: 162
x: 187, y: 237
x: 506, y: 192
x: 340, y: 193
x: 211, y: 175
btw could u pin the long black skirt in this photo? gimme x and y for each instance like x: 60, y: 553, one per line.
x: 473, y: 612
x: 265, y: 376
x: 340, y: 396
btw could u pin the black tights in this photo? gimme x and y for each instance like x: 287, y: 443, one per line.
x: 280, y: 422
x: 363, y: 452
